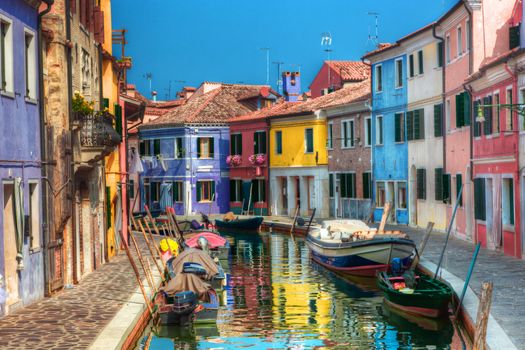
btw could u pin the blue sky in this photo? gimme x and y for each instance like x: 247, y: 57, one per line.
x: 220, y: 40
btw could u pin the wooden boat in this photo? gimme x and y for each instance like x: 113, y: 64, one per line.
x: 185, y: 308
x: 240, y: 224
x: 429, y: 298
x: 355, y: 249
x: 219, y: 246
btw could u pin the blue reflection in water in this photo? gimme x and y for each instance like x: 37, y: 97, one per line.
x: 277, y: 298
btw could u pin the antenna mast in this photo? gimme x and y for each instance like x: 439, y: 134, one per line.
x: 279, y: 80
x: 374, y: 38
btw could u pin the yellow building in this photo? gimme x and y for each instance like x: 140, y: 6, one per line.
x: 299, y: 162
x: 110, y: 90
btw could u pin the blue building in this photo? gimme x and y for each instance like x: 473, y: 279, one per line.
x: 184, y: 152
x: 21, y: 238
x: 389, y: 145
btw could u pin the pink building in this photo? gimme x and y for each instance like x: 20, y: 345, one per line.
x: 334, y: 75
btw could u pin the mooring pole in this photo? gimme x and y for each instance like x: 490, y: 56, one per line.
x: 469, y: 274
x: 449, y: 230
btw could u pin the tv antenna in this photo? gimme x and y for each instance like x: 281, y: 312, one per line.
x: 326, y: 42
x: 267, y: 49
x: 149, y: 77
x: 374, y: 38
x: 168, y: 89
x: 279, y: 79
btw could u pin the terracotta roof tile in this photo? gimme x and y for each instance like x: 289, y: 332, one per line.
x: 381, y: 47
x: 350, y: 70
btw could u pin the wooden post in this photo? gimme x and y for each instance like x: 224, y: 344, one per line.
x: 422, y: 245
x: 150, y: 217
x: 482, y: 318
x: 293, y: 224
x: 149, y: 277
x: 173, y: 220
x: 137, y: 274
x: 384, y: 218
x: 149, y: 247
x: 154, y: 244
x: 250, y: 199
x: 310, y: 222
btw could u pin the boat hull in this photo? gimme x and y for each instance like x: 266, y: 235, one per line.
x: 241, y: 224
x: 360, y: 258
x: 204, y: 313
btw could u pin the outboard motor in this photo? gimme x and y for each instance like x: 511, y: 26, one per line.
x: 184, y: 303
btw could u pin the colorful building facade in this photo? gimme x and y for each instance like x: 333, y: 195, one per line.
x: 334, y: 75
x: 21, y: 247
x: 389, y: 146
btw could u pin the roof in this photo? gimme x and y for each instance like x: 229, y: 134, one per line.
x: 216, y: 106
x: 380, y: 48
x: 350, y: 70
x: 355, y: 93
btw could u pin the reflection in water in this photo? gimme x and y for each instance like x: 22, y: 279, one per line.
x: 278, y: 298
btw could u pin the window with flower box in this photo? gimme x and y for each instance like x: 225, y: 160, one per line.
x: 236, y: 144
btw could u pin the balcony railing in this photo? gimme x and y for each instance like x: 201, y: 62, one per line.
x: 96, y: 130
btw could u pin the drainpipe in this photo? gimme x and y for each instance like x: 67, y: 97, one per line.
x: 370, y: 108
x: 42, y: 117
x: 468, y: 89
x: 443, y: 102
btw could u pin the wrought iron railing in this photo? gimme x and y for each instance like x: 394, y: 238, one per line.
x: 97, y: 130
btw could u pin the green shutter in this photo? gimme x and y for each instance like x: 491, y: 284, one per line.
x: 239, y: 144
x: 263, y: 141
x: 118, y: 119
x: 213, y: 191
x: 199, y: 147
x: 446, y: 188
x: 411, y: 65
x: 142, y: 148
x: 417, y: 124
x: 398, y: 127
x: 331, y: 184
x: 199, y: 191
x: 367, y: 185
x: 180, y: 151
x: 421, y: 184
x: 459, y: 182
x: 460, y: 109
x: 410, y: 125
x: 108, y: 207
x: 438, y: 179
x: 105, y: 103
x: 421, y: 128
x: 233, y: 139
x: 479, y: 199
x: 156, y: 147
x: 438, y: 120
x: 420, y: 61
x: 511, y: 199
x: 440, y: 53
x: 212, y: 147
x: 255, y: 142
x: 175, y: 191
x: 514, y: 37
x: 467, y: 112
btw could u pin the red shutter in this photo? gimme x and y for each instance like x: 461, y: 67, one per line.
x: 98, y: 19
x: 89, y: 18
x: 73, y: 6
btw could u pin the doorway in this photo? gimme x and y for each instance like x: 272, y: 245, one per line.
x: 284, y: 195
x: 391, y: 197
x: 11, y: 279
x: 413, y: 196
x: 297, y: 193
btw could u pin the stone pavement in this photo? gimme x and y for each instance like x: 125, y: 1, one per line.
x: 507, y: 274
x: 73, y: 318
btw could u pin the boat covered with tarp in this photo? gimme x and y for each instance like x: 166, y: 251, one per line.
x: 247, y: 224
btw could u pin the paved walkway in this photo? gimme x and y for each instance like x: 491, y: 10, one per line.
x: 73, y: 318
x: 507, y: 274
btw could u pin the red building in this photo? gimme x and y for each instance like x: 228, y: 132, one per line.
x: 334, y: 75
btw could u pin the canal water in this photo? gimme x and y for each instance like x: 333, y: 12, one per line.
x: 277, y: 298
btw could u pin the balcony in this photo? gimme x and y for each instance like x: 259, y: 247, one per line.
x: 95, y: 136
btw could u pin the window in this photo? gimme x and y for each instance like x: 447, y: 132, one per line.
x: 367, y: 185
x: 447, y: 195
x: 399, y: 73
x: 348, y: 185
x: 438, y: 120
x: 205, y: 191
x: 34, y: 215
x: 420, y: 61
x: 147, y: 193
x: 368, y: 132
x: 156, y: 147
x: 154, y: 191
x: 177, y: 191
x: 460, y: 42
x: 258, y: 190
x: 380, y: 194
x: 447, y: 48
x: 402, y: 195
x: 467, y: 35
x: 236, y: 144
x: 235, y: 190
x: 496, y: 113
x: 477, y: 125
x: 331, y: 185
x: 509, y: 122
x: 309, y: 140
x: 462, y: 109
x: 448, y: 110
x: 347, y: 134
x: 480, y: 211
x: 411, y: 72
x: 30, y: 65
x: 379, y: 78
x: 279, y: 142
x: 330, y: 140
x: 416, y: 125
x: 6, y: 55
x: 259, y: 142
x: 438, y: 180
x: 421, y: 179
x: 487, y: 113
x: 145, y: 148
x: 379, y: 130
x: 180, y: 152
x: 205, y: 147
x: 514, y: 37
x: 400, y: 127
x: 507, y: 201
x: 439, y: 50
x: 459, y: 183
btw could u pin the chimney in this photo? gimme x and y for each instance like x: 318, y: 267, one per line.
x: 292, y: 86
x: 154, y: 94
